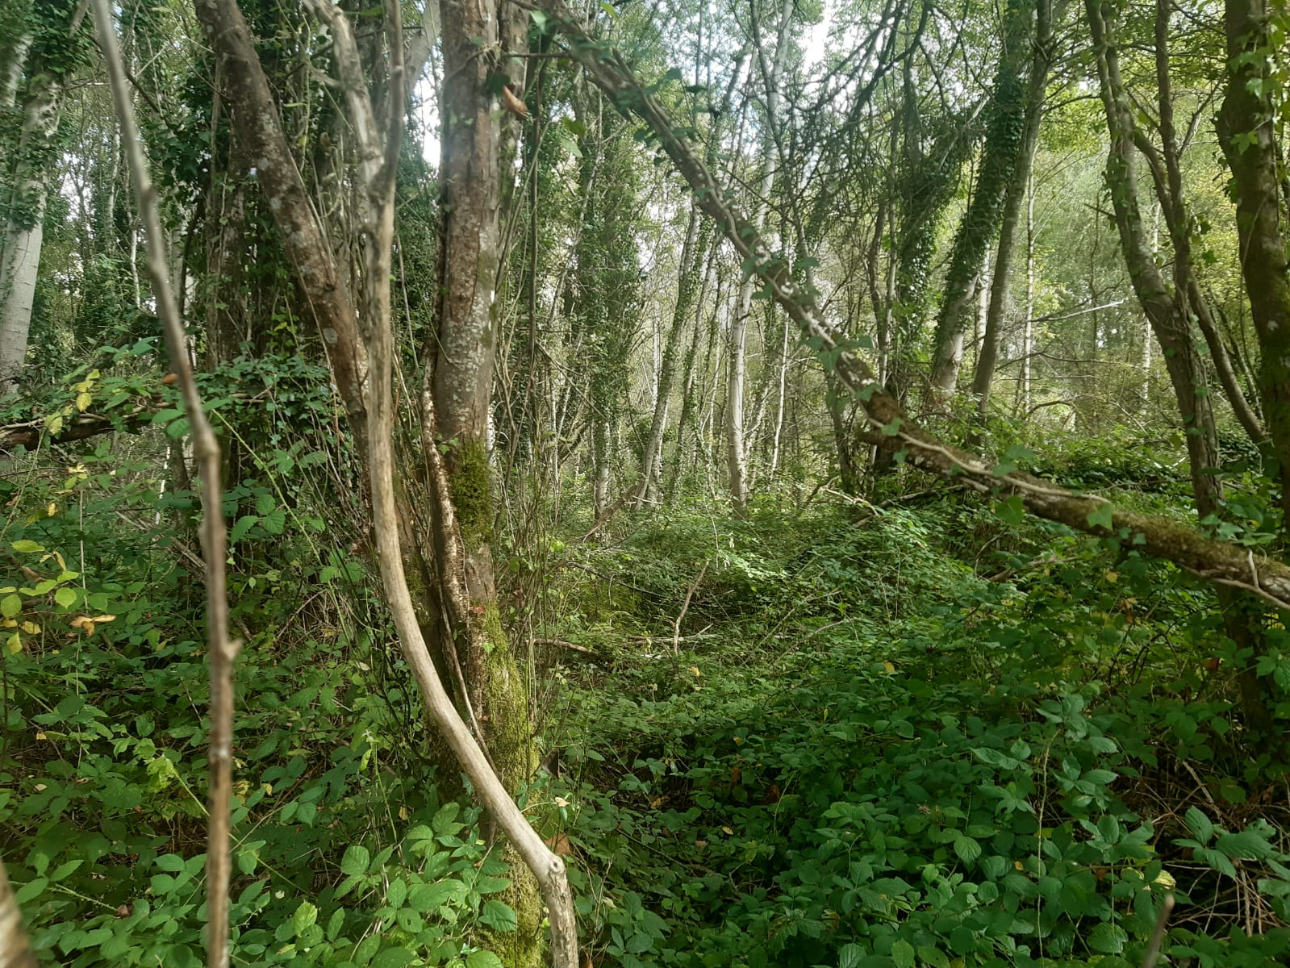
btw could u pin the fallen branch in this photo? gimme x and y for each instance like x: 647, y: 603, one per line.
x: 1216, y: 561
x: 80, y: 427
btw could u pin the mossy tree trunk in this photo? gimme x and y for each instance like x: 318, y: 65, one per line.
x: 1166, y: 310
x: 1004, y: 138
x: 1247, y: 133
x: 476, y: 171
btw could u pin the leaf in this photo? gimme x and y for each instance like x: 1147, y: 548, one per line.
x: 484, y: 959
x: 265, y: 503
x: 1107, y: 938
x: 27, y: 547
x: 355, y: 861
x: 498, y: 916
x: 893, y: 428
x: 1103, y: 516
x: 967, y: 849
x: 850, y: 955
x: 305, y: 917
x: 83, y: 401
x: 243, y: 525
x: 274, y: 523
x: 393, y: 958
x: 170, y: 862
x: 10, y: 606
x: 65, y: 597
x: 1199, y: 825
x: 902, y: 953
x: 425, y: 897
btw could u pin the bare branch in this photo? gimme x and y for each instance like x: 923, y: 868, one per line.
x: 222, y: 651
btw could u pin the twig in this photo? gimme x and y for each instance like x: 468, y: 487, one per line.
x: 685, y: 607
x: 221, y: 651
x: 1158, y: 935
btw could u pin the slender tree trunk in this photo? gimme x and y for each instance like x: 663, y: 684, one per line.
x: 24, y: 227
x: 1169, y: 320
x: 1028, y: 344
x: 696, y: 241
x: 1166, y: 172
x: 736, y: 451
x: 455, y: 399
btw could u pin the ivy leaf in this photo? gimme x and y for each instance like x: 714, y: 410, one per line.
x: 1103, y: 516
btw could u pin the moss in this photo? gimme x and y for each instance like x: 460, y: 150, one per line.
x: 523, y: 947
x: 472, y: 491
x: 513, y: 753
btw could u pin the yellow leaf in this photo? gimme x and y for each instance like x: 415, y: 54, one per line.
x: 55, y: 424
x: 694, y: 670
x: 83, y: 401
x: 15, y: 643
x: 51, y: 510
x: 31, y: 628
x: 1166, y: 880
x: 727, y: 830
x: 1112, y: 577
x: 1019, y: 865
x: 889, y: 667
x: 404, y: 812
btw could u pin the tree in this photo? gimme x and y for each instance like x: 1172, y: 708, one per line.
x: 47, y: 48
x: 1002, y: 155
x: 455, y: 399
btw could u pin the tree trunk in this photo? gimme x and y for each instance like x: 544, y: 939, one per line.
x: 1166, y: 173
x: 1018, y: 191
x: 692, y: 252
x: 1004, y: 137
x: 24, y: 229
x: 455, y: 401
x: 1247, y: 134
x: 736, y: 362
x: 1169, y: 320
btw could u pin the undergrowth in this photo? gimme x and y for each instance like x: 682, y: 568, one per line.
x: 884, y: 755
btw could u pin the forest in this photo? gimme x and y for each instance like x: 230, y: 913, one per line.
x: 645, y: 483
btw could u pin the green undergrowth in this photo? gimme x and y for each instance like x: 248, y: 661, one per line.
x: 885, y: 755
x: 343, y: 853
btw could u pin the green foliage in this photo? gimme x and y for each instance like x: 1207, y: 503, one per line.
x: 839, y: 778
x: 343, y: 853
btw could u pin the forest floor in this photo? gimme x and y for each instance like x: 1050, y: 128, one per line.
x: 834, y: 733
x: 872, y: 748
